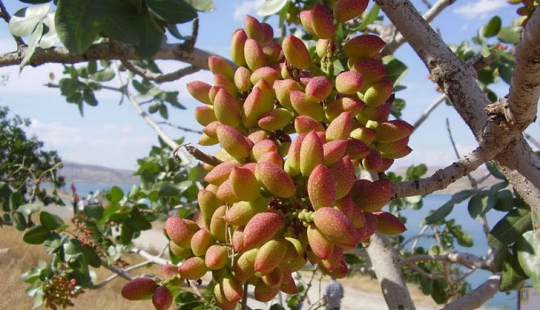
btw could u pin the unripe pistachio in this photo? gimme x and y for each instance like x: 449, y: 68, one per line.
x: 305, y: 106
x: 179, y: 251
x: 275, y: 179
x: 336, y: 227
x: 304, y: 124
x: 270, y: 254
x: 258, y: 231
x: 344, y: 176
x: 344, y: 104
x: 334, y: 151
x: 273, y: 278
x: 226, y: 108
x: 378, y: 113
x: 242, y: 79
x: 221, y: 80
x: 373, y: 161
x: 378, y: 93
x: 220, y: 299
x: 368, y: 229
x: 268, y: 33
x: 265, y: 293
x: 243, y: 265
x: 275, y: 119
x: 323, y: 47
x: 321, y: 246
x: 311, y: 153
x: 371, y: 70
x: 340, y: 127
x: 226, y: 194
x: 232, y: 289
x: 218, y: 226
x: 192, y: 268
x: 322, y: 22
x: 364, y: 134
x: 273, y: 157
x: 272, y: 53
x: 233, y: 142
x: 321, y: 187
x: 220, y: 173
x: 218, y: 64
x: 201, y: 241
x: 199, y: 90
x: 392, y: 147
x: 238, y: 41
x: 178, y: 231
x: 139, y: 288
x: 288, y: 285
x: 393, y: 130
x: 292, y: 163
x: 349, y: 82
x: 296, y: 52
x: 262, y: 147
x: 254, y: 54
x: 162, y: 298
x: 352, y: 211
x: 283, y: 89
x: 216, y: 257
x: 334, y: 260
x: 345, y: 10
x: 365, y: 45
x: 241, y: 212
x: 244, y: 184
x: 268, y: 73
x: 306, y: 19
x: 339, y: 272
x: 371, y: 195
x: 357, y: 149
x: 204, y: 115
x: 253, y: 29
x: 388, y: 223
x: 318, y: 88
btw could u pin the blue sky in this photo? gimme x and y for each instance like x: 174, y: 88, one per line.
x: 113, y: 135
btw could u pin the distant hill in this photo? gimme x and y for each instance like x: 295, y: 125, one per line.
x: 82, y: 173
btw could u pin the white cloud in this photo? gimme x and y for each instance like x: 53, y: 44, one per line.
x: 246, y: 7
x: 480, y: 9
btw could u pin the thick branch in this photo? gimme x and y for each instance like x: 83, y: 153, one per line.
x: 443, y: 177
x: 106, y: 51
x: 478, y: 297
x: 160, y: 77
x: 386, y: 265
x: 525, y: 86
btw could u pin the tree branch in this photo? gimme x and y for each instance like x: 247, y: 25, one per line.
x: 107, y: 51
x: 465, y: 259
x: 157, y: 77
x: 428, y: 111
x: 477, y: 297
x: 386, y: 265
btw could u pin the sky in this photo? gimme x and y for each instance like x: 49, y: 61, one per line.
x: 114, y: 135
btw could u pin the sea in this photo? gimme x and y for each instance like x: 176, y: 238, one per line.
x: 414, y: 219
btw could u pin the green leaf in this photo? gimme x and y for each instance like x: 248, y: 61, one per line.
x: 173, y: 11
x: 32, y: 45
x: 88, y: 97
x: 24, y: 21
x: 439, y: 293
x: 72, y: 250
x: 91, y: 256
x: 528, y: 248
x: 495, y: 171
x: 78, y: 23
x: 19, y: 221
x: 154, y: 107
x: 202, y: 5
x: 440, y: 213
x: 115, y: 194
x: 94, y: 211
x: 168, y: 190
x: 142, y: 88
x: 36, y: 235
x: 370, y: 17
x: 271, y: 7
x: 463, y: 238
x: 50, y: 37
x: 492, y: 28
x: 15, y: 201
x: 104, y: 75
x: 480, y: 204
x: 163, y: 111
x: 69, y: 86
x: 396, y: 69
x: 512, y: 276
x: 510, y: 228
x: 505, y: 201
x: 509, y: 35
x: 426, y: 284
x: 50, y: 221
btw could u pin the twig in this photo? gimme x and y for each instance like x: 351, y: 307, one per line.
x: 151, y: 258
x: 466, y: 259
x: 119, y: 271
x: 478, y: 296
x: 181, y: 128
x: 157, y: 77
x: 198, y: 154
x: 428, y: 111
x: 425, y: 273
x: 115, y: 275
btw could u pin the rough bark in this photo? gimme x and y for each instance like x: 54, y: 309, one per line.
x: 385, y: 260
